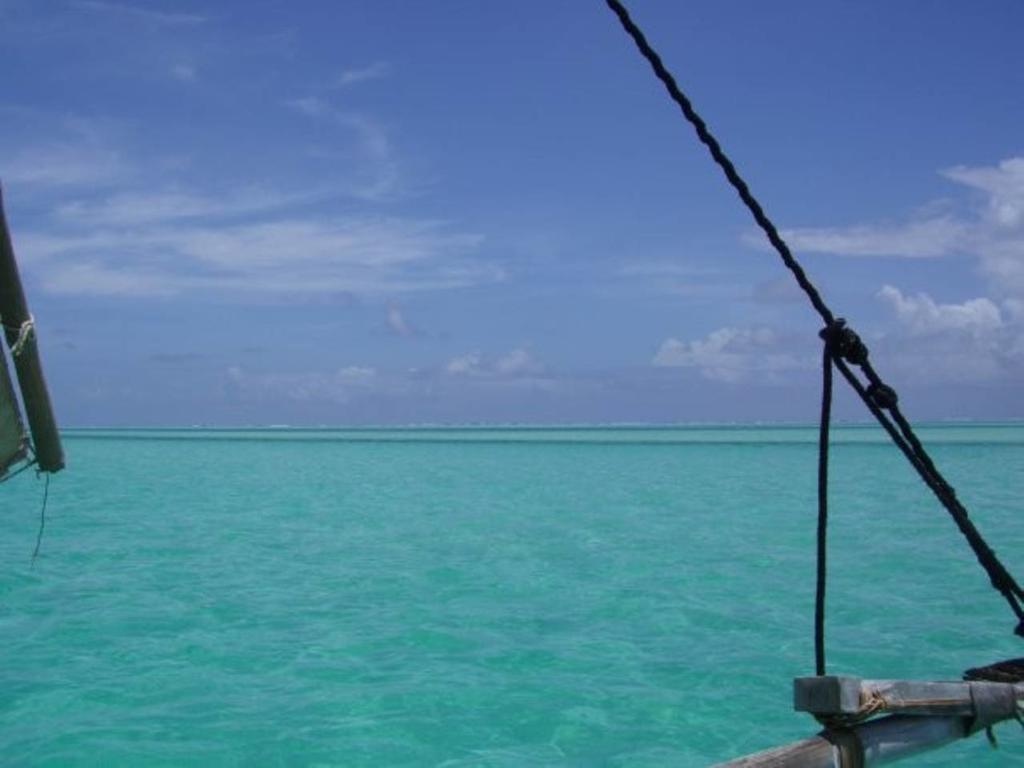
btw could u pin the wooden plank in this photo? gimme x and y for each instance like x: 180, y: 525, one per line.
x: 832, y: 695
x: 873, y: 743
x: 815, y: 752
x: 932, y: 714
x: 15, y: 315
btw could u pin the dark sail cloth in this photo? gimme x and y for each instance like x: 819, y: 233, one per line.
x: 13, y: 438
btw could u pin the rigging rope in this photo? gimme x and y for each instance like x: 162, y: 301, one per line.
x: 842, y: 346
x: 42, y: 521
x: 819, y: 590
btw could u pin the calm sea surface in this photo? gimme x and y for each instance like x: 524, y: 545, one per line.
x: 481, y: 597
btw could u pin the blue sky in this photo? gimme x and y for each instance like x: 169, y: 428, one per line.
x: 393, y: 212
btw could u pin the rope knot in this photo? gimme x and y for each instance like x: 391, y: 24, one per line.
x: 844, y: 342
x: 883, y: 395
x: 25, y: 333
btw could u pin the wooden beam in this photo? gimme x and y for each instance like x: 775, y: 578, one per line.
x: 837, y: 696
x: 20, y: 333
x: 815, y: 752
x: 931, y: 714
x: 873, y: 743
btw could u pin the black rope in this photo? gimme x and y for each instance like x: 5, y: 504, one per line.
x: 819, y: 592
x: 42, y: 521
x: 999, y: 576
x: 846, y: 346
x: 722, y: 159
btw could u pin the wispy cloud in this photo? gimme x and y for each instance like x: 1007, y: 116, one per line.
x: 377, y: 150
x: 338, y: 387
x: 369, y: 256
x: 186, y: 73
x: 64, y: 165
x: 976, y: 339
x: 146, y: 15
x: 93, y: 278
x: 782, y: 290
x: 373, y: 147
x: 661, y: 269
x: 80, y: 153
x: 312, y: 106
x: 149, y: 207
x: 926, y: 238
x: 356, y: 75
x: 683, y: 280
x: 397, y: 323
x: 992, y: 232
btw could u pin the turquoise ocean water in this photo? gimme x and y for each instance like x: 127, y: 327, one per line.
x: 481, y: 597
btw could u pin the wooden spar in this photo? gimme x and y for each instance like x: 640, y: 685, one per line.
x: 873, y: 743
x: 833, y: 695
x: 931, y: 714
x: 20, y: 334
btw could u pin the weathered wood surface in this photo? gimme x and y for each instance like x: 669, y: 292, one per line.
x: 833, y: 695
x: 876, y: 743
x: 14, y: 313
x: 932, y: 714
x: 815, y: 752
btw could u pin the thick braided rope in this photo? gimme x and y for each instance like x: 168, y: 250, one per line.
x: 722, y: 159
x: 901, y: 432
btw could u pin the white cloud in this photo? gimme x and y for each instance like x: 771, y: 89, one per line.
x: 145, y: 15
x: 1003, y: 185
x: 353, y: 76
x: 286, y: 256
x: 65, y: 164
x: 993, y: 233
x: 376, y: 150
x: 339, y: 387
x: 781, y: 290
x: 922, y: 315
x: 153, y: 241
x: 144, y: 207
x: 518, y: 363
x: 312, y: 106
x: 685, y: 280
x: 973, y: 341
x: 978, y: 339
x: 465, y: 365
x: 354, y: 374
x: 397, y: 322
x: 1002, y: 262
x: 64, y: 153
x: 373, y: 147
x: 184, y: 72
x: 89, y: 278
x: 732, y: 355
x: 925, y: 238
x: 663, y: 269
